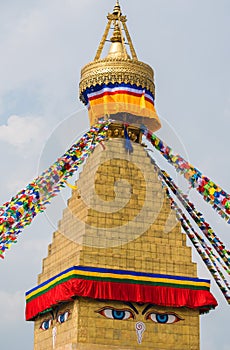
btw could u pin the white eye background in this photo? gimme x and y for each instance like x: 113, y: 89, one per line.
x: 163, y: 318
x: 63, y: 317
x: 45, y: 325
x: 116, y: 314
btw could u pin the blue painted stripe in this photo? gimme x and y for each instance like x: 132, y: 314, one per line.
x: 117, y: 272
x: 51, y: 279
x: 97, y: 88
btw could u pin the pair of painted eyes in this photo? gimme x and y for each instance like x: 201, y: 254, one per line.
x: 61, y: 318
x: 116, y: 314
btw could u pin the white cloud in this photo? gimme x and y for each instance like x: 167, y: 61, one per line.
x: 21, y: 131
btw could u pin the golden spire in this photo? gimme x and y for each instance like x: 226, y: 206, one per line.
x: 119, y: 22
x: 117, y: 9
x: 118, y: 66
x: 116, y: 34
x: 117, y: 48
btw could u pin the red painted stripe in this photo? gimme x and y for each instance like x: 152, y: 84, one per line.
x: 163, y: 296
x: 149, y: 100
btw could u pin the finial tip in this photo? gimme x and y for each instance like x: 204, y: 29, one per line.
x: 117, y: 8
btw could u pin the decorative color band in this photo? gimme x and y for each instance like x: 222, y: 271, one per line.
x: 112, y: 89
x: 122, y: 101
x: 102, y: 283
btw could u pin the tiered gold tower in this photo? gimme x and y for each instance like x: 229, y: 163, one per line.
x: 117, y: 219
x: 150, y: 243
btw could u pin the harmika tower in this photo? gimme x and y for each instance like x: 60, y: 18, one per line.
x: 118, y: 274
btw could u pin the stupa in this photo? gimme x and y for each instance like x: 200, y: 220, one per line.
x: 118, y: 274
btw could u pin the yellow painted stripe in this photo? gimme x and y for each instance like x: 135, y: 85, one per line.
x: 70, y: 273
x: 121, y: 98
x: 117, y: 276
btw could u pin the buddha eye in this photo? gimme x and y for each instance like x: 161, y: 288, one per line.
x: 163, y: 318
x: 116, y: 314
x: 45, y: 325
x: 62, y: 317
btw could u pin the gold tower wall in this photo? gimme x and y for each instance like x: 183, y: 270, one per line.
x: 118, y: 218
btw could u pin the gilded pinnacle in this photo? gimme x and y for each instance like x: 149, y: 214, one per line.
x: 117, y: 9
x: 116, y: 34
x: 119, y: 66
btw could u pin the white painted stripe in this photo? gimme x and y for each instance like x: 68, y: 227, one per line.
x: 120, y: 88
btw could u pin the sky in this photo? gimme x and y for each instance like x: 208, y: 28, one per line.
x: 43, y: 46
